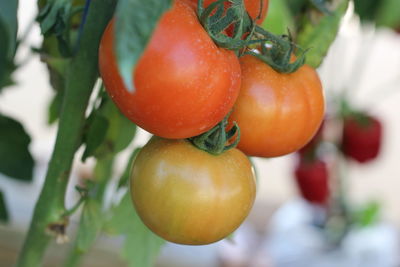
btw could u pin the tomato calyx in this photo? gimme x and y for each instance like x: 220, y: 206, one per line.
x: 217, y: 140
x: 277, y: 51
x: 216, y: 19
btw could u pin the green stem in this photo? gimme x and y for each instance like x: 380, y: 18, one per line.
x: 102, y: 174
x: 80, y: 78
x: 72, y: 210
x: 215, y: 140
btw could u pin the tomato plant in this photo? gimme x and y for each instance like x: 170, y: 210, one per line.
x: 182, y: 64
x: 188, y: 196
x: 184, y: 84
x: 277, y: 113
x: 253, y: 7
x: 361, y: 137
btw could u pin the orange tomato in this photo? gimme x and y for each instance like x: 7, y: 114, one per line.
x: 277, y: 113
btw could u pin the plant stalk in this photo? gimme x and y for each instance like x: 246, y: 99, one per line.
x: 80, y: 78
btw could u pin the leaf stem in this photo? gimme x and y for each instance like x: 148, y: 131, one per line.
x: 86, y: 237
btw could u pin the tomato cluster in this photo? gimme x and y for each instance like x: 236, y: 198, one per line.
x: 185, y: 85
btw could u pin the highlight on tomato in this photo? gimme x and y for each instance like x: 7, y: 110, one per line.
x: 278, y: 113
x: 189, y: 196
x: 184, y: 83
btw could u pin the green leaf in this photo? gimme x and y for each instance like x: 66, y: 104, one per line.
x: 296, y: 6
x: 90, y: 225
x: 135, y: 23
x: 3, y: 209
x: 389, y: 14
x: 279, y: 18
x: 54, y: 16
x: 367, y: 9
x: 109, y: 131
x: 15, y: 158
x: 95, y: 135
x: 141, y: 246
x: 123, y: 181
x: 55, y: 107
x: 320, y: 36
x: 368, y: 215
x: 8, y: 40
x: 121, y: 130
x: 8, y: 18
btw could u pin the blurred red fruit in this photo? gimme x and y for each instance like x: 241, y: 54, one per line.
x: 361, y: 138
x: 312, y: 180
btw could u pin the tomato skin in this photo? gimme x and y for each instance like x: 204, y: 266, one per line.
x: 277, y: 113
x: 188, y: 196
x: 252, y: 7
x: 312, y: 180
x: 362, y: 143
x: 184, y: 83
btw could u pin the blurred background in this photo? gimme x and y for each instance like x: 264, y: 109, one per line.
x: 349, y: 213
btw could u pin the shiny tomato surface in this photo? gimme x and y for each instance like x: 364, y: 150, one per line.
x: 184, y: 84
x: 277, y: 113
x: 188, y: 196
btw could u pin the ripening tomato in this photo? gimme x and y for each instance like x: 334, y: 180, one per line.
x: 188, y: 196
x: 252, y: 6
x: 362, y: 138
x: 277, y: 113
x: 184, y: 84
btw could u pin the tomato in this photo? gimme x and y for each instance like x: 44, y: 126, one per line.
x: 312, y: 180
x: 252, y: 6
x: 277, y: 113
x: 362, y: 138
x: 184, y: 83
x: 188, y: 196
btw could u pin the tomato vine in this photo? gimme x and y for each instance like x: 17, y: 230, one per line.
x: 72, y: 32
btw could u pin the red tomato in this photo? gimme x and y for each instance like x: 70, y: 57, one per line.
x: 277, y: 113
x: 361, y: 139
x: 184, y: 84
x: 252, y: 6
x: 312, y: 180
